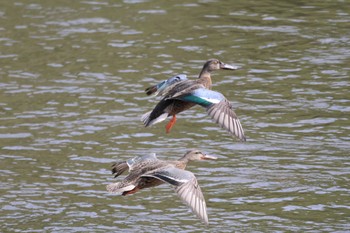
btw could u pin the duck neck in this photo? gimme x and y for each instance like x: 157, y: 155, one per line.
x: 205, y: 79
x: 182, y: 163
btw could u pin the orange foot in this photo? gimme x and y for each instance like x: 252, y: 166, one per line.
x: 170, y: 124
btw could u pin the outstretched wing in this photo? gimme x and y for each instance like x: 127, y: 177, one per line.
x: 218, y: 108
x: 223, y: 114
x: 186, y: 187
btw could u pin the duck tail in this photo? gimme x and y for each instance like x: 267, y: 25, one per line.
x: 148, y: 121
x: 146, y: 118
x: 119, y: 188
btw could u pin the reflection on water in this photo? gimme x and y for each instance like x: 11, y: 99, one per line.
x: 71, y: 88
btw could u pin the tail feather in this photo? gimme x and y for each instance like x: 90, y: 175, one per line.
x: 145, y: 118
x: 147, y: 121
x: 116, y: 188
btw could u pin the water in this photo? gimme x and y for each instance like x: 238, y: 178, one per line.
x: 71, y: 88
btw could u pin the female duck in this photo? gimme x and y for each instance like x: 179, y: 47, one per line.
x: 148, y: 171
x: 180, y: 94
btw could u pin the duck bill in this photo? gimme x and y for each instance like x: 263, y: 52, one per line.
x: 227, y: 67
x: 208, y: 157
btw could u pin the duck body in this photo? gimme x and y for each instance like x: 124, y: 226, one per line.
x: 184, y: 94
x: 169, y: 105
x: 148, y: 171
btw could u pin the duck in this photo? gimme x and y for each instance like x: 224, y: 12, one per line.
x: 148, y: 171
x: 179, y: 94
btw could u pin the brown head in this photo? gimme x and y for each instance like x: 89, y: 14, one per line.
x: 209, y: 66
x: 193, y: 155
x: 215, y: 64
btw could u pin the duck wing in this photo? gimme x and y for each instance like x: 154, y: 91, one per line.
x: 186, y: 187
x: 183, y: 88
x: 119, y: 168
x: 162, y: 87
x: 218, y: 108
x: 141, y: 161
x: 137, y: 167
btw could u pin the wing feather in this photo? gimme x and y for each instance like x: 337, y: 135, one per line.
x: 186, y: 187
x: 223, y: 114
x: 191, y: 194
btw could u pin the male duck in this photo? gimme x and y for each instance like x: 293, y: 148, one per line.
x: 148, y: 171
x: 180, y: 94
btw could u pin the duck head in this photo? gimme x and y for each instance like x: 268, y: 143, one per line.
x: 215, y: 64
x: 193, y: 155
